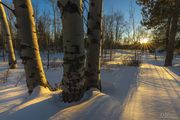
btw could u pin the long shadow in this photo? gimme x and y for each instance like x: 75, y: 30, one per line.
x: 170, y: 82
x: 52, y: 108
x: 126, y: 86
x: 171, y: 71
x: 41, y: 111
x: 174, y: 70
x: 156, y: 62
x: 2, y: 69
x: 123, y: 84
x: 169, y: 95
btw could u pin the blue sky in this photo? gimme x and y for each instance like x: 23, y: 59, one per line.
x: 109, y: 5
x: 123, y: 6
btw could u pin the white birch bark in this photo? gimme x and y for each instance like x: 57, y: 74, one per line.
x: 92, y: 74
x: 29, y: 49
x: 73, y: 35
x: 8, y: 38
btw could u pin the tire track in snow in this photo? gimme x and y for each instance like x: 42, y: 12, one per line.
x: 155, y: 98
x: 169, y: 89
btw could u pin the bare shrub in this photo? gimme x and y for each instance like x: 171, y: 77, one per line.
x: 131, y: 62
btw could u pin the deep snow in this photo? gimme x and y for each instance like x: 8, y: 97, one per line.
x: 129, y: 93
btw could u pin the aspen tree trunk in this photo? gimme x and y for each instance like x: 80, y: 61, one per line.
x: 103, y: 40
x: 48, y: 51
x: 172, y: 34
x: 74, y: 58
x: 29, y: 49
x: 102, y: 45
x: 111, y: 46
x: 8, y: 38
x: 55, y: 34
x: 92, y: 74
x: 3, y: 47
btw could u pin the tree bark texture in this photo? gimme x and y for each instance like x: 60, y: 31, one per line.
x: 74, y: 56
x: 8, y: 38
x: 92, y: 74
x: 29, y: 49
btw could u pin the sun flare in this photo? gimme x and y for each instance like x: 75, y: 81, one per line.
x: 144, y: 40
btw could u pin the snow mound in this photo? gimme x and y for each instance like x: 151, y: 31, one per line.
x: 94, y: 106
x: 40, y: 91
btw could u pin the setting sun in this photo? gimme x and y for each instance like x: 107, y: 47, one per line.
x: 144, y: 40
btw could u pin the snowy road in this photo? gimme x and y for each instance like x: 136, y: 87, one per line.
x: 157, y: 96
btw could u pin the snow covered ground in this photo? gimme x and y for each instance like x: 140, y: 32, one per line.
x: 157, y: 96
x: 147, y: 92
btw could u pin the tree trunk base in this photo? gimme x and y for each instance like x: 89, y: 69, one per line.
x: 168, y: 63
x: 72, y: 97
x: 13, y: 66
x: 88, y: 86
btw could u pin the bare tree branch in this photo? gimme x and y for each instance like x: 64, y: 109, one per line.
x: 7, y: 7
